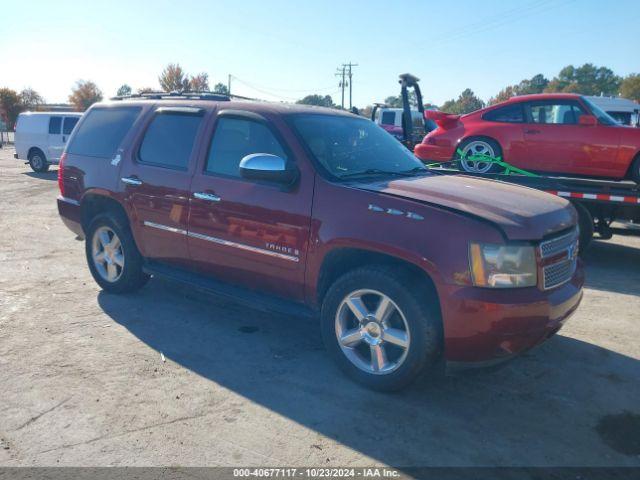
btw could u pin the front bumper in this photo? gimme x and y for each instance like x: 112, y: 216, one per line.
x: 484, y: 326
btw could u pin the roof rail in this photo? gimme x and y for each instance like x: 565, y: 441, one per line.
x: 218, y: 97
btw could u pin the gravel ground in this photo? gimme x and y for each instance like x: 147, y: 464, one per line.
x: 171, y: 377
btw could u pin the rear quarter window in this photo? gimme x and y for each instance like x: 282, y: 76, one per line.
x: 508, y: 114
x: 101, y: 132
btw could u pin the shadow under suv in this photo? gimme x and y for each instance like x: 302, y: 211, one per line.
x: 313, y: 211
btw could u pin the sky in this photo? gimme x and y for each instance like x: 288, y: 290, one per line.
x: 284, y: 50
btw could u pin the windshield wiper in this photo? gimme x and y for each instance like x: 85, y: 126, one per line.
x: 377, y: 171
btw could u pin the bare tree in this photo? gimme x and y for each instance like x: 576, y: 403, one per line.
x: 174, y: 78
x: 199, y: 83
x: 84, y: 94
x: 30, y: 99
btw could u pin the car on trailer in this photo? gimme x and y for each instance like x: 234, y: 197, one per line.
x: 559, y: 134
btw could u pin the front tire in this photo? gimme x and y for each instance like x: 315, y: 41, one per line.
x: 478, y: 146
x: 379, y: 328
x: 38, y: 162
x: 113, y: 258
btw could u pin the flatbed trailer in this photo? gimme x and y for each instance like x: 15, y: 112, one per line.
x: 605, y: 207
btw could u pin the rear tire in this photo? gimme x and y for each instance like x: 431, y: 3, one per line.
x: 478, y: 145
x: 635, y: 170
x: 382, y: 351
x: 38, y: 161
x: 112, y: 255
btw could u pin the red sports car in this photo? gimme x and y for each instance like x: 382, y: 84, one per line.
x: 555, y: 133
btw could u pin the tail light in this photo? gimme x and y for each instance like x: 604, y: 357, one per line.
x: 61, y: 173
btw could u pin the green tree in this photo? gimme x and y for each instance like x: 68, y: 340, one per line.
x: 10, y: 106
x: 30, y: 99
x: 535, y: 84
x: 84, y: 94
x: 467, y: 102
x: 630, y: 87
x: 124, y: 90
x: 221, y: 88
x: 199, y: 83
x: 318, y: 100
x: 587, y: 80
x: 174, y: 78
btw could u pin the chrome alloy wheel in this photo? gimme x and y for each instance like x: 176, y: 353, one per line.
x: 476, y: 147
x: 372, y: 332
x: 107, y: 254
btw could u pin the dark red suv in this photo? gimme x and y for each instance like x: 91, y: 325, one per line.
x: 307, y: 210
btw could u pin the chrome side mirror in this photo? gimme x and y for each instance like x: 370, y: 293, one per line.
x: 264, y: 166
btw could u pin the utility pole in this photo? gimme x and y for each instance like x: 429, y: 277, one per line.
x: 341, y: 73
x: 349, y: 65
x: 346, y: 71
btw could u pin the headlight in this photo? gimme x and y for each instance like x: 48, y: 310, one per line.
x: 503, y: 266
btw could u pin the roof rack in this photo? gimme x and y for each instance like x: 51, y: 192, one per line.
x: 218, y: 97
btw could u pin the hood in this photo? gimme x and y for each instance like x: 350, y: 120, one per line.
x: 522, y: 213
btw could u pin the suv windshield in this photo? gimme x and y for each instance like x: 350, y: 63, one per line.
x: 349, y: 147
x: 602, y: 116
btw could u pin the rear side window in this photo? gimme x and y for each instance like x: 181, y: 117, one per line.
x: 508, y: 114
x: 388, y: 118
x: 168, y: 141
x: 69, y: 123
x: 235, y: 138
x: 102, y: 131
x: 54, y: 125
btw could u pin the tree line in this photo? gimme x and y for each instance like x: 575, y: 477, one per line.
x: 85, y: 92
x: 587, y: 79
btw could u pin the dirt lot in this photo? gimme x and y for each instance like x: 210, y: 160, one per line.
x: 83, y: 380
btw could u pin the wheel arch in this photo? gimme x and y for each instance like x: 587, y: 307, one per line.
x: 634, y: 161
x: 341, y: 260
x: 94, y: 203
x: 478, y: 137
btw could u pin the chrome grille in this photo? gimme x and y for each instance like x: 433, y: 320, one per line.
x: 558, y: 273
x: 561, y: 271
x: 557, y: 245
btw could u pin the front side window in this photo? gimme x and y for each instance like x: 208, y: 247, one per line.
x: 508, y: 114
x: 54, y: 125
x: 69, y: 123
x: 559, y: 113
x: 169, y: 140
x: 349, y: 147
x: 235, y: 138
x: 102, y: 130
x: 388, y: 118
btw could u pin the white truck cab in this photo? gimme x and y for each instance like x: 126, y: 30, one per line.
x: 40, y: 137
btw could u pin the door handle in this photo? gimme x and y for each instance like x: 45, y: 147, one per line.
x: 532, y: 132
x: 209, y: 197
x: 131, y: 181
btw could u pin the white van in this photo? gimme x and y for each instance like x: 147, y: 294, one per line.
x: 40, y: 137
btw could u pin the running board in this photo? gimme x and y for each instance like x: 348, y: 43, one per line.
x: 241, y: 295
